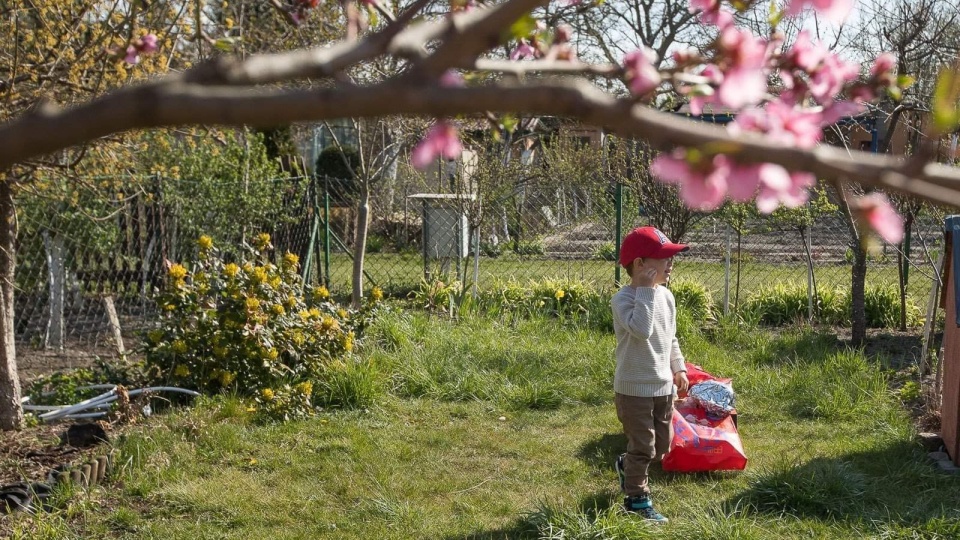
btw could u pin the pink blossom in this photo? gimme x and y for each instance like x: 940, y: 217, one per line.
x: 782, y: 122
x: 685, y: 56
x: 132, y: 57
x: 442, y: 140
x: 840, y: 109
x: 641, y: 75
x: 745, y: 79
x: 835, y: 10
x: 742, y: 87
x: 523, y: 50
x: 875, y: 210
x: 883, y: 64
x: 743, y: 182
x: 452, y: 79
x: 830, y: 79
x: 806, y: 54
x: 778, y: 187
x: 148, y: 43
x: 711, y: 12
x: 701, y: 188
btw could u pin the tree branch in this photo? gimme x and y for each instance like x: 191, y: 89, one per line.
x: 175, y: 103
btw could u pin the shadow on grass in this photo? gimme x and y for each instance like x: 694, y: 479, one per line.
x: 601, y: 453
x: 895, y: 487
x: 529, y: 525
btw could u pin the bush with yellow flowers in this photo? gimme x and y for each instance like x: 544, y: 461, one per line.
x: 250, y: 326
x: 286, y: 402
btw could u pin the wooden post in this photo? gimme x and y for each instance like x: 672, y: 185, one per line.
x: 950, y: 404
x: 53, y: 245
x: 114, y: 325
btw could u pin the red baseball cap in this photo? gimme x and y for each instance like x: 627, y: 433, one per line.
x: 648, y: 242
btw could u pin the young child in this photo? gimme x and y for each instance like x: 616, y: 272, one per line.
x: 649, y: 362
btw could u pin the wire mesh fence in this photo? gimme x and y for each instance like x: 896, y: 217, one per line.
x: 91, y: 254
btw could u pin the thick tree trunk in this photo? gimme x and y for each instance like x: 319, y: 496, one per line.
x: 360, y: 244
x: 11, y: 413
x: 858, y: 314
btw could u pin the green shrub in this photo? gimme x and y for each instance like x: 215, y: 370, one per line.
x: 882, y: 308
x: 376, y: 243
x: 437, y: 294
x: 785, y: 303
x: 571, y: 299
x: 528, y: 247
x: 250, y: 327
x: 910, y: 391
x: 491, y: 250
x: 607, y: 251
x: 833, y: 307
x: 779, y: 304
x: 694, y: 299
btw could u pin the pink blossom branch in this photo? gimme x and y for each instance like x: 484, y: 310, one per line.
x: 172, y: 103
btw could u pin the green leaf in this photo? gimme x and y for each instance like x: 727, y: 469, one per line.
x: 523, y: 27
x: 945, y: 114
x: 905, y: 81
x: 226, y: 44
x: 776, y: 15
x: 373, y: 15
x: 509, y: 122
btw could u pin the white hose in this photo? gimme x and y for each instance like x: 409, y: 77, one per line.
x: 102, y: 401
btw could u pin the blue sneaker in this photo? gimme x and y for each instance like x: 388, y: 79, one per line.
x: 618, y: 465
x: 643, y: 507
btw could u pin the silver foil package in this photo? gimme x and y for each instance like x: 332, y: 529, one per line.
x: 715, y: 397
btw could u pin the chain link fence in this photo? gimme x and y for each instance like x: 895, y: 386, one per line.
x: 92, y: 252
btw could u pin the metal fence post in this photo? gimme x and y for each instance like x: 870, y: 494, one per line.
x: 726, y: 274
x: 326, y: 230
x: 618, y: 204
x: 809, y: 240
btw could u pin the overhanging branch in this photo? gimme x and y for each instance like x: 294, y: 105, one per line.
x: 156, y: 105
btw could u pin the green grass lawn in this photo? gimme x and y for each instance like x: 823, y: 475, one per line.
x: 489, y: 429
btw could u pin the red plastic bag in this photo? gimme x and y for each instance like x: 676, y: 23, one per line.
x: 695, y: 447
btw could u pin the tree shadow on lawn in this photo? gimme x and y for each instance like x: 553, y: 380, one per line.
x: 896, y: 486
x: 525, y: 527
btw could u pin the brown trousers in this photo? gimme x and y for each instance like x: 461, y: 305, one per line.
x: 647, y: 423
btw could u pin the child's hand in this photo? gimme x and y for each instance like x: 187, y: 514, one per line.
x: 680, y: 379
x: 646, y: 277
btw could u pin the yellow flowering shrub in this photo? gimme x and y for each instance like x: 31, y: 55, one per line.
x: 251, y: 327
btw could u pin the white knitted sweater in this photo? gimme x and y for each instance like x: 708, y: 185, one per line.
x: 648, y: 354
